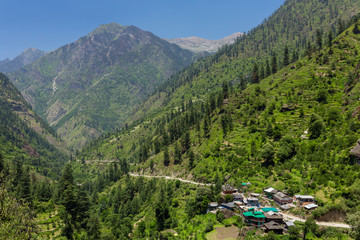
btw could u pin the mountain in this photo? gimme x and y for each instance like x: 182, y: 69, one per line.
x: 164, y: 118
x: 28, y: 56
x: 197, y: 45
x: 24, y: 136
x: 293, y: 130
x: 89, y: 87
x: 263, y: 45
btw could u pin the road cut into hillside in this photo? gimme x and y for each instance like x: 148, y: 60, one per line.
x: 172, y: 178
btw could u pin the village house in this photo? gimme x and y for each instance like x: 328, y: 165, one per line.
x: 274, y: 217
x: 305, y: 198
x: 311, y: 206
x: 270, y: 192
x: 281, y: 198
x: 238, y: 197
x: 229, y: 205
x: 212, y: 206
x: 256, y: 219
x: 227, y: 189
x: 274, y: 227
x: 251, y: 201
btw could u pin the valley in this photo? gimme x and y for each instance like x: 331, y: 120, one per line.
x: 122, y: 134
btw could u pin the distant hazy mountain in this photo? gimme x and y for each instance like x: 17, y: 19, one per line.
x: 196, y: 44
x: 89, y: 87
x: 28, y: 56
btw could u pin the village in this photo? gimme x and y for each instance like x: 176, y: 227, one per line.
x: 263, y: 210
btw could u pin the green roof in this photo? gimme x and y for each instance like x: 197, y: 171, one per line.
x: 243, y: 184
x: 269, y: 209
x: 254, y: 214
x: 252, y: 208
x: 248, y: 214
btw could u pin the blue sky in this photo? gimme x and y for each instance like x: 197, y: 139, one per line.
x: 49, y: 24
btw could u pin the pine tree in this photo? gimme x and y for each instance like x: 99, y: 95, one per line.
x: 177, y: 154
x: 255, y: 74
x: 274, y: 64
x: 186, y: 142
x: 330, y: 38
x: 82, y: 208
x: 206, y: 128
x: 262, y: 73
x: 268, y: 70
x: 286, y: 56
x: 166, y: 156
x: 24, y: 186
x: 319, y: 39
x: 309, y: 49
x: 191, y: 159
x: 225, y: 90
x: 93, y: 227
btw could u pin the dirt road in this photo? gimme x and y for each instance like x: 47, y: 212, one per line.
x: 327, y: 224
x: 172, y: 178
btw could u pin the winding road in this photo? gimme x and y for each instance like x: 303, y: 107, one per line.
x: 172, y: 178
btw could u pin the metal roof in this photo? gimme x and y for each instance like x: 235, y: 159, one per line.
x: 272, y: 209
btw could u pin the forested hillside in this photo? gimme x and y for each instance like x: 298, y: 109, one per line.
x: 25, y: 137
x: 294, y: 25
x: 293, y: 130
x: 89, y: 87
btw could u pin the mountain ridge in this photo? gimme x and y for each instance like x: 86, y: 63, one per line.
x: 28, y: 56
x: 90, y: 86
x: 197, y: 44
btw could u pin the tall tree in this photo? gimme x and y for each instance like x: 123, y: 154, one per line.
x: 166, y: 160
x: 268, y: 70
x: 286, y: 56
x: 274, y: 64
x: 255, y: 74
x: 24, y: 185
x: 177, y: 154
x: 330, y: 38
x: 191, y: 158
x: 225, y: 89
x: 318, y: 39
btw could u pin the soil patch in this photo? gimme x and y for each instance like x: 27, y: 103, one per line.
x: 227, y: 233
x: 333, y: 216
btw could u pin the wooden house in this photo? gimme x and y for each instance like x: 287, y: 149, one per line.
x: 281, y: 198
x: 274, y: 227
x: 256, y: 219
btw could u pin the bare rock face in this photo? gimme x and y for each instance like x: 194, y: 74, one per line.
x: 197, y: 45
x: 55, y: 112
